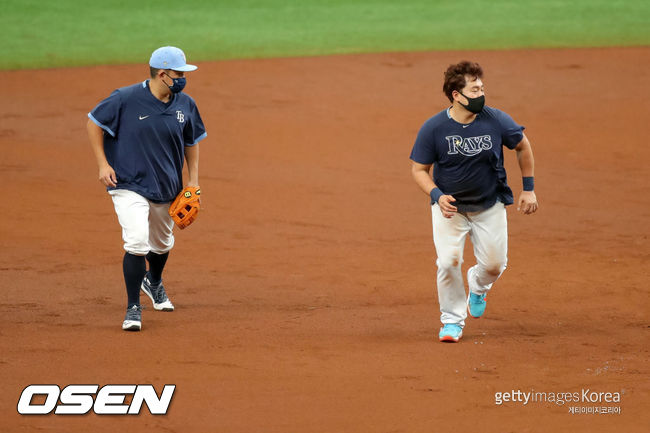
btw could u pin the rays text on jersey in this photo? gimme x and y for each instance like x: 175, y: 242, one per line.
x: 469, y: 146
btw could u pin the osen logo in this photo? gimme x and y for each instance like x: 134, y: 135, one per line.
x: 81, y: 399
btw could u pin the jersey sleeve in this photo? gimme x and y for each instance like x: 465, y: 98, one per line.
x: 106, y: 114
x: 424, y: 151
x: 194, y: 130
x: 511, y: 132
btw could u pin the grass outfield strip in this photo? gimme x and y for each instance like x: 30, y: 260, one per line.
x: 44, y: 33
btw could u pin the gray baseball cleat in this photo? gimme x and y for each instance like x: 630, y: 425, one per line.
x: 133, y: 318
x: 157, y: 294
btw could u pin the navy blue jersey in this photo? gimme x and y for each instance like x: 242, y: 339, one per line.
x: 145, y: 139
x: 468, y: 159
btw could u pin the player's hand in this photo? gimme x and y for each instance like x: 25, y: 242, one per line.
x: 446, y: 207
x: 527, y: 202
x: 107, y: 176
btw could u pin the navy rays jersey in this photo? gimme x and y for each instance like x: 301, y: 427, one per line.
x: 145, y: 139
x: 468, y: 158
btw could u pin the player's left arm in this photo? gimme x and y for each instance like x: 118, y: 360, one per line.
x: 527, y: 200
x: 192, y: 161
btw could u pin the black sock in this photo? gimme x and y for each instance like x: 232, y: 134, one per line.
x: 156, y: 266
x: 134, y: 268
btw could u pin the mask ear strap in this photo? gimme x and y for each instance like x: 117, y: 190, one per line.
x: 165, y: 73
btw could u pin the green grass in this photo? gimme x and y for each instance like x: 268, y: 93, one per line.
x: 54, y: 33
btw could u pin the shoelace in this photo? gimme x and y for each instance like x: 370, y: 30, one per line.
x: 132, y: 312
x: 159, y: 293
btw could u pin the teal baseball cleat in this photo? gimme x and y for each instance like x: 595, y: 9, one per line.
x: 476, y: 304
x: 450, y: 332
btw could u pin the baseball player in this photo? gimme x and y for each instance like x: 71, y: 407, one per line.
x: 141, y: 136
x: 464, y: 145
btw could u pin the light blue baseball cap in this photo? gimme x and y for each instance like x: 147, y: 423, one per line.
x: 170, y: 58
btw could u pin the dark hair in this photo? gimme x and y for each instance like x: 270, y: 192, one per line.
x: 153, y: 71
x: 455, y: 76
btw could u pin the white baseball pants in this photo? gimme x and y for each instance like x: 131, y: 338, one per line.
x: 146, y: 226
x: 488, y: 230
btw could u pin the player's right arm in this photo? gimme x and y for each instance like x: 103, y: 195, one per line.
x: 96, y: 136
x: 421, y: 175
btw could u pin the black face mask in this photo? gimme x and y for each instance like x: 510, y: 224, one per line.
x: 475, y: 105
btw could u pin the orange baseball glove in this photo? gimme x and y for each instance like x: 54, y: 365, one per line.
x: 186, y: 207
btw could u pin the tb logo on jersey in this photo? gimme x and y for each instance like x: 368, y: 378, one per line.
x: 468, y: 146
x: 180, y: 116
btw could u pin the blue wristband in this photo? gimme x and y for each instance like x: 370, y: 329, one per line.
x: 435, y: 195
x: 529, y: 183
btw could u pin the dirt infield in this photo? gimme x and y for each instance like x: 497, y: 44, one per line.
x: 305, y: 291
